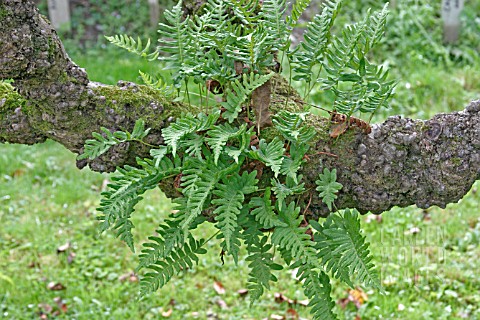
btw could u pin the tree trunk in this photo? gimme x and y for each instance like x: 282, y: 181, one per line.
x: 401, y: 162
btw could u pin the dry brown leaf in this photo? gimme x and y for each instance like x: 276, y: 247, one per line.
x: 63, y: 248
x: 303, y: 302
x: 55, y: 286
x: 167, y: 313
x: 291, y: 314
x: 242, y: 292
x: 338, y: 129
x: 218, y: 286
x: 62, y: 306
x: 260, y: 103
x: 222, y: 304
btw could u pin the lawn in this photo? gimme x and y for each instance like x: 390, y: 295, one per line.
x: 55, y: 264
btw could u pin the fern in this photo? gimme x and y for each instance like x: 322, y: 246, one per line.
x: 240, y: 92
x: 292, y: 237
x: 261, y: 266
x: 343, y: 249
x: 125, y: 192
x: 316, y: 39
x: 220, y: 135
x: 159, y: 247
x: 229, y: 203
x: 187, y: 125
x: 156, y: 83
x: 297, y: 10
x: 270, y: 153
x: 328, y: 186
x: 264, y: 211
x: 317, y: 288
x: 128, y: 43
x: 272, y: 14
x: 96, y: 147
x: 179, y: 260
x: 291, y: 126
x: 282, y: 191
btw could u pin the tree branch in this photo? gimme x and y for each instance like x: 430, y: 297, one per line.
x: 402, y: 162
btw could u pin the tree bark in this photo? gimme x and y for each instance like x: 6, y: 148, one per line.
x: 401, y: 162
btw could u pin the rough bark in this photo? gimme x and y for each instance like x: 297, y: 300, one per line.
x: 402, y: 162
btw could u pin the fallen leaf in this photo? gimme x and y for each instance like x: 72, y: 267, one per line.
x: 218, y: 286
x: 303, y: 302
x: 276, y: 317
x: 63, y: 248
x: 291, y: 314
x: 260, y: 103
x: 242, y: 292
x: 61, y: 304
x: 222, y: 304
x: 167, y: 313
x: 338, y: 129
x: 130, y: 276
x: 71, y: 256
x: 55, y: 286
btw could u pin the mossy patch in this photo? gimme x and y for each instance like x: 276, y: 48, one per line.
x: 9, y: 98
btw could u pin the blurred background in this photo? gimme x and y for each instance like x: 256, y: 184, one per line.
x: 54, y: 264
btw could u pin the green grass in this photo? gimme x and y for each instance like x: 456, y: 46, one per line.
x: 46, y: 202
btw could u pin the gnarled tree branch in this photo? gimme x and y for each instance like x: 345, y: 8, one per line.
x: 402, y: 162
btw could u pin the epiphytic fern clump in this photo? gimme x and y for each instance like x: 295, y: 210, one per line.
x: 224, y: 169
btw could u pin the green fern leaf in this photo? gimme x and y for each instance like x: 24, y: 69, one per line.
x: 282, y: 191
x: 96, y: 147
x: 128, y: 43
x: 261, y: 266
x: 179, y: 260
x: 220, y: 135
x: 125, y: 192
x: 291, y: 126
x: 240, y: 92
x: 344, y: 251
x: 273, y: 12
x: 187, y: 125
x: 318, y: 289
x: 316, y: 40
x: 264, y: 212
x: 229, y: 204
x: 156, y: 83
x: 297, y: 10
x: 270, y: 153
x: 292, y: 237
x: 328, y: 186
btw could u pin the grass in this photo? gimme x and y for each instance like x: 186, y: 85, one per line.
x: 428, y: 259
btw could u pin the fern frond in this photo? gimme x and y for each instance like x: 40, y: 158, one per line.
x: 376, y: 26
x: 297, y: 10
x: 229, y: 204
x: 316, y: 40
x: 180, y: 259
x: 328, y: 186
x: 159, y: 247
x: 290, y: 124
x: 220, y: 135
x: 344, y: 251
x: 187, y: 125
x: 175, y: 40
x: 96, y: 147
x: 128, y: 43
x: 156, y: 83
x: 292, y: 237
x: 261, y: 266
x: 124, y: 192
x: 240, y: 92
x: 273, y: 12
x: 282, y: 191
x: 317, y: 288
x: 264, y: 212
x: 270, y: 153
